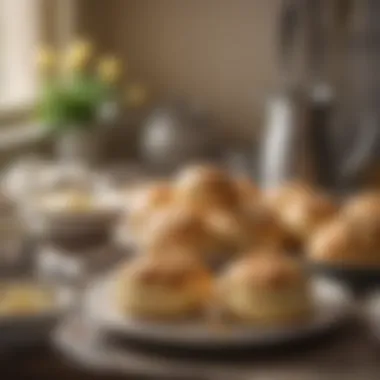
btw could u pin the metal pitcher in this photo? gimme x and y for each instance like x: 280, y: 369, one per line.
x: 298, y: 141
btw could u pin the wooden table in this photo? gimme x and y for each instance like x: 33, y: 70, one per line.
x: 352, y: 354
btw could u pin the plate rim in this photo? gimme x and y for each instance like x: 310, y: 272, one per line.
x: 242, y: 336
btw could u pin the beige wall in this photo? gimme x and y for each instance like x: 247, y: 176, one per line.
x: 221, y: 52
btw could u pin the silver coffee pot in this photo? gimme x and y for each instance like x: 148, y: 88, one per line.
x: 297, y: 142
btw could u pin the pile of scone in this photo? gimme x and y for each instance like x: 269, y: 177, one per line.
x: 210, y: 243
x: 207, y: 240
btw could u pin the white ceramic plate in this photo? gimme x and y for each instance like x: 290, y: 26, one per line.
x: 332, y: 307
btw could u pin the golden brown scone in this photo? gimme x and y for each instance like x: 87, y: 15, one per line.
x: 303, y: 216
x: 364, y: 212
x: 205, y: 186
x: 163, y: 287
x: 280, y: 197
x: 362, y: 206
x: 148, y: 200
x: 177, y: 227
x: 266, y: 287
x: 237, y: 231
x: 263, y: 228
x: 227, y: 229
x: 340, y: 242
x: 247, y: 190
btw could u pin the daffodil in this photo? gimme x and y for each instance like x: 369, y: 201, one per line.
x: 45, y: 59
x: 109, y: 70
x: 78, y: 55
x: 137, y: 95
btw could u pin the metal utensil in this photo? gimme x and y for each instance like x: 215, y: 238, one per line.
x: 284, y: 154
x: 298, y: 143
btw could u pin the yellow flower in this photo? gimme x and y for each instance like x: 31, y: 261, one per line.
x: 109, y: 69
x: 45, y: 59
x: 78, y: 55
x: 137, y: 95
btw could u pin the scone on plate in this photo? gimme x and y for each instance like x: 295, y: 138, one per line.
x: 263, y: 228
x: 363, y: 211
x: 279, y: 197
x: 362, y: 206
x: 177, y: 227
x: 146, y: 201
x: 266, y: 287
x: 247, y: 190
x: 340, y: 243
x: 205, y: 186
x: 164, y: 287
x: 252, y: 227
x: 304, y: 215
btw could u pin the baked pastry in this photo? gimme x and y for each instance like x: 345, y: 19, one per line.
x: 147, y: 201
x: 364, y: 212
x: 163, y: 287
x: 363, y: 206
x: 266, y: 287
x: 340, y: 242
x: 280, y: 197
x: 177, y: 227
x: 244, y: 229
x: 247, y: 191
x: 263, y: 228
x: 304, y: 215
x: 206, y: 186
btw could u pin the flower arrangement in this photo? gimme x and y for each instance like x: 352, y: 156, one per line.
x: 75, y: 87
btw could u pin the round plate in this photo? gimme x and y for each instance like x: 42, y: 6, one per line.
x: 358, y: 279
x: 332, y: 306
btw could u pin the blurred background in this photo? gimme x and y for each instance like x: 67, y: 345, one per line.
x: 97, y: 95
x: 221, y: 55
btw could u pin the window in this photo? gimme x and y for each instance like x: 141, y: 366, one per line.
x: 19, y: 37
x: 23, y: 25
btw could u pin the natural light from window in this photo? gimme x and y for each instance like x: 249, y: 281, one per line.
x: 19, y: 36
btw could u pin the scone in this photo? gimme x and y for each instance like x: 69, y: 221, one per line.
x: 163, y: 287
x: 147, y: 200
x: 339, y: 242
x: 363, y: 211
x: 263, y: 229
x: 266, y: 287
x: 248, y: 192
x: 303, y: 216
x: 227, y: 229
x: 206, y: 186
x: 362, y: 206
x: 280, y: 197
x: 244, y: 229
x: 177, y: 227
x: 253, y: 227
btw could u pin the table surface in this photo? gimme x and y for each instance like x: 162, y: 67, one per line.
x: 351, y: 354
